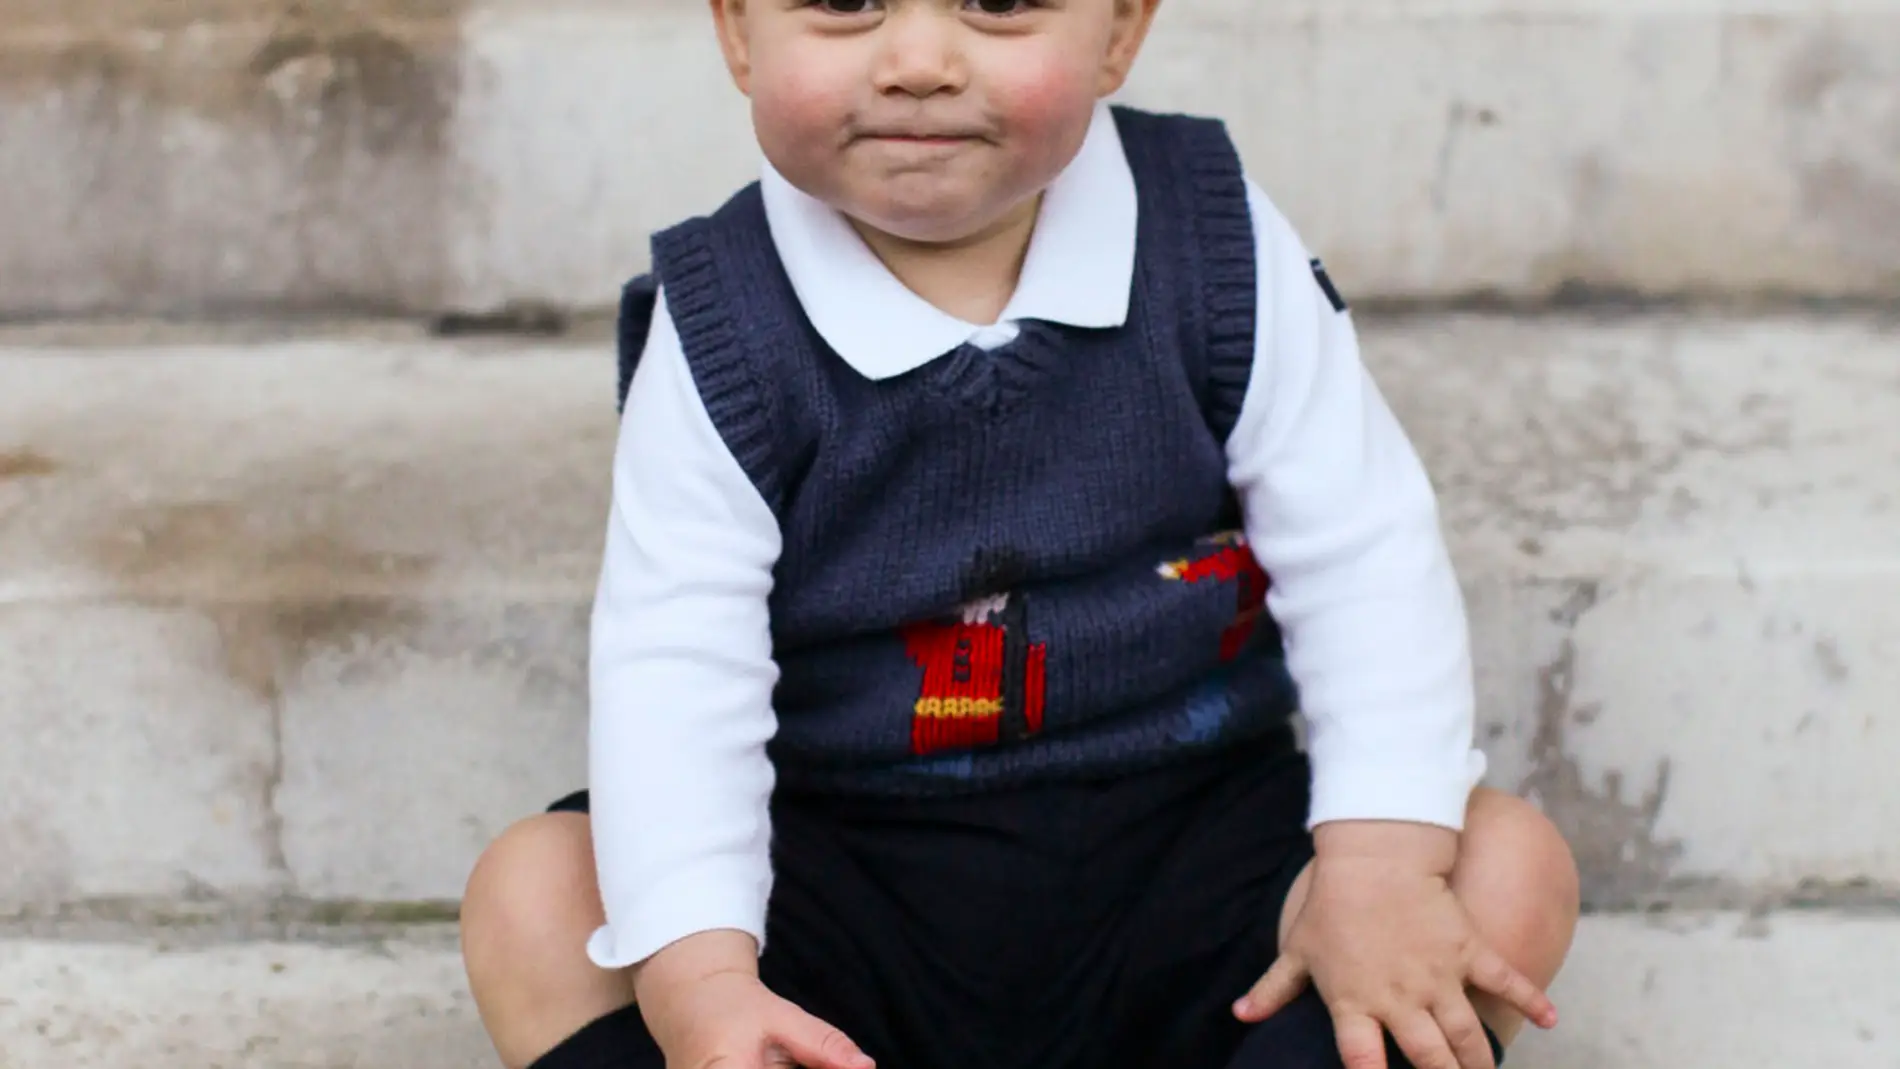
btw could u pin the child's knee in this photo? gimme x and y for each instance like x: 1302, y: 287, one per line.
x: 533, y: 884
x: 530, y: 905
x: 1510, y: 827
x: 1519, y: 878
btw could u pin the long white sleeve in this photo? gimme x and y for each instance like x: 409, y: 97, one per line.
x: 681, y: 676
x: 1343, y: 519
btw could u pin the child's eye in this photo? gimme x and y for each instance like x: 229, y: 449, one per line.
x: 1000, y: 7
x: 846, y: 7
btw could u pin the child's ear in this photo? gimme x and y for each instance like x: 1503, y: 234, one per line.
x: 729, y: 17
x: 1132, y: 21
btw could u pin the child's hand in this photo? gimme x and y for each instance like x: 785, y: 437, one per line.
x: 1390, y: 948
x: 730, y: 1021
x: 704, y: 1003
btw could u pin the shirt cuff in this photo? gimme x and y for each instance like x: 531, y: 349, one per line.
x: 716, y: 896
x: 1394, y: 790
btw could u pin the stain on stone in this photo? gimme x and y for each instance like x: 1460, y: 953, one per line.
x: 240, y: 917
x: 1837, y: 91
x: 1827, y: 658
x: 1826, y: 61
x: 520, y: 318
x: 1859, y: 893
x: 364, y: 83
x: 25, y: 464
x: 1683, y: 503
x: 1858, y: 203
x: 386, y: 55
x: 1622, y: 860
x: 1458, y: 117
x: 1755, y: 925
x: 265, y: 638
x: 1593, y: 185
x: 242, y: 540
x: 40, y: 866
x: 1594, y: 457
x: 46, y: 16
x: 301, y: 114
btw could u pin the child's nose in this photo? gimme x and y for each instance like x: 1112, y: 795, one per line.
x: 920, y: 53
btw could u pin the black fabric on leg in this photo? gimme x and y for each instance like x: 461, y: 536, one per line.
x: 573, y: 803
x: 616, y: 1041
x: 1094, y: 925
x: 1205, y: 927
x: 1301, y: 1036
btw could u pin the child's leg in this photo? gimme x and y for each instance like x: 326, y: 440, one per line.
x: 530, y: 906
x: 838, y: 939
x: 1516, y: 877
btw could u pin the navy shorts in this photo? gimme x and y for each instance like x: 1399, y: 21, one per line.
x: 1097, y: 924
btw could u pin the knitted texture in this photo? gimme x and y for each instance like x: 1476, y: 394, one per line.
x: 1007, y: 565
x: 638, y: 299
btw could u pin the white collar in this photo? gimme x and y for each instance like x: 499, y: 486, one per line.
x: 1079, y: 269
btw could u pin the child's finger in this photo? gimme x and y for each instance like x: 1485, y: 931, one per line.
x: 1423, y: 1041
x: 1491, y: 973
x: 815, y: 1044
x: 1361, y: 1041
x: 1462, y: 1027
x: 1281, y: 985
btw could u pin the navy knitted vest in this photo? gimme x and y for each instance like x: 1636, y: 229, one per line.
x: 1008, y: 565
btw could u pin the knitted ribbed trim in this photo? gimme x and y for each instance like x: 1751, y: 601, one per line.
x: 719, y: 346
x: 1223, y: 279
x: 635, y: 323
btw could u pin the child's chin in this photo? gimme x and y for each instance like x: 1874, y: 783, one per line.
x: 922, y: 229
x: 929, y: 221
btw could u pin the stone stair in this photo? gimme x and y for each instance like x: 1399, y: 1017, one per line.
x: 293, y: 610
x: 292, y: 622
x: 226, y: 157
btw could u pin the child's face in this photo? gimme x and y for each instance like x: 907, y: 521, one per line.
x: 930, y: 120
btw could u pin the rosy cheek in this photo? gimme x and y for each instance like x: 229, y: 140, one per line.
x: 1047, y: 105
x: 798, y: 118
x: 795, y: 100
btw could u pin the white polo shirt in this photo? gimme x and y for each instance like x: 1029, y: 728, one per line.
x: 1336, y: 506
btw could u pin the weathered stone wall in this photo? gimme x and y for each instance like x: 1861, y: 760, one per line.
x: 220, y: 156
x: 311, y: 627
x: 202, y: 157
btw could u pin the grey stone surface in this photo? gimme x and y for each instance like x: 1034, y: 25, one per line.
x: 309, y: 616
x: 417, y: 155
x: 217, y: 155
x: 132, y: 765
x: 1706, y: 740
x: 408, y: 752
x: 336, y: 468
x: 82, y: 1005
x: 1678, y: 542
x: 1697, y: 991
x: 310, y: 624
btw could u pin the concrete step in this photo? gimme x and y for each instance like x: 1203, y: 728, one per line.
x: 430, y: 155
x: 291, y: 624
x: 1695, y: 991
